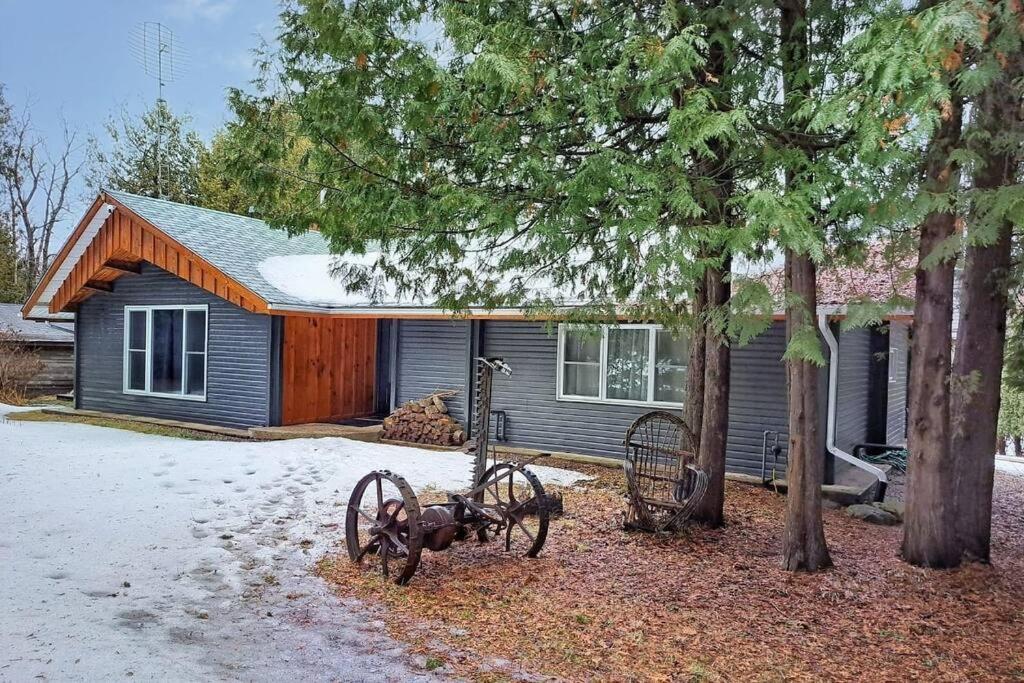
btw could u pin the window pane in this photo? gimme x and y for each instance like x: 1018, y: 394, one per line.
x: 137, y: 370
x: 581, y: 379
x: 196, y: 331
x: 137, y: 330
x: 628, y: 357
x: 582, y: 346
x: 671, y: 357
x: 167, y: 340
x: 195, y: 374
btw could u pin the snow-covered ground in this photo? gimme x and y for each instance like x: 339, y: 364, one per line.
x: 124, y: 554
x: 1013, y: 466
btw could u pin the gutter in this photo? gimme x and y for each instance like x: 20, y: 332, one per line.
x: 833, y: 394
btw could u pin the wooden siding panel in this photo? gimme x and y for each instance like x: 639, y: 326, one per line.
x: 127, y: 238
x: 324, y: 377
x: 57, y: 372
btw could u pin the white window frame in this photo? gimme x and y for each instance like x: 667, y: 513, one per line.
x: 148, y: 310
x: 896, y: 369
x: 602, y: 397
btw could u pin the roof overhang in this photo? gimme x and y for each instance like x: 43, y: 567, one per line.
x: 433, y: 313
x: 110, y: 241
x: 38, y: 305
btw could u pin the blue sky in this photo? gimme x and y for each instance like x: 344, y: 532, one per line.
x: 71, y: 59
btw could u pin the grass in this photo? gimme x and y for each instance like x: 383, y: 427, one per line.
x: 127, y: 425
x: 47, y: 401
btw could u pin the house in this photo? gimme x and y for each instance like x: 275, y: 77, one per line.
x: 51, y: 343
x: 197, y: 315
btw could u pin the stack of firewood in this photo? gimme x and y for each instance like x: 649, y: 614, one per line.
x: 425, y: 421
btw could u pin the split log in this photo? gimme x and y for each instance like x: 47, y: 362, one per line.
x: 425, y: 421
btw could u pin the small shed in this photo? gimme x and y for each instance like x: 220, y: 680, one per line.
x: 53, y: 343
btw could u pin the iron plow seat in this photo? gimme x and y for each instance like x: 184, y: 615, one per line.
x: 663, y: 481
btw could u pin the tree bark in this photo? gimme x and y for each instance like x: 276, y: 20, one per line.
x: 1016, y: 447
x: 929, y: 529
x: 803, y: 541
x: 715, y: 426
x: 693, y: 409
x: 1001, y: 445
x: 981, y: 334
x: 717, y: 178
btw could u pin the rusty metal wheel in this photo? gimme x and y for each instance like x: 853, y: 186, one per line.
x: 382, y: 526
x: 519, y: 498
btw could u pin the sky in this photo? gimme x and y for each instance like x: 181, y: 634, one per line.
x: 72, y: 60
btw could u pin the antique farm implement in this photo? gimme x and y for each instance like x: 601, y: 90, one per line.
x: 386, y: 526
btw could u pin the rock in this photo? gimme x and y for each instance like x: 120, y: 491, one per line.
x: 893, y: 507
x: 872, y: 515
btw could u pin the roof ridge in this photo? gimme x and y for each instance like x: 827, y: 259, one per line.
x: 182, y: 204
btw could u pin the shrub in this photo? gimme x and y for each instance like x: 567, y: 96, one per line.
x: 18, y: 365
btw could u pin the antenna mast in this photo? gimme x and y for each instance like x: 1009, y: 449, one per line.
x: 154, y: 48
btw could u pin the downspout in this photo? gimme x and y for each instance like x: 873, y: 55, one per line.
x: 833, y: 394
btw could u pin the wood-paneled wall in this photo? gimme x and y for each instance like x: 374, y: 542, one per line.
x: 126, y: 238
x: 327, y: 368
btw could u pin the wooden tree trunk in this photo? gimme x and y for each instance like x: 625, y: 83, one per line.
x: 693, y: 408
x: 715, y: 427
x: 981, y: 337
x: 1016, y: 447
x: 929, y: 528
x: 1001, y: 445
x: 981, y: 334
x: 716, y: 178
x: 803, y: 541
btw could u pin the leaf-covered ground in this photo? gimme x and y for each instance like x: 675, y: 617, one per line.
x: 602, y: 603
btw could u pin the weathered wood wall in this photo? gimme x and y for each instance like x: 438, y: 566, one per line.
x: 57, y: 375
x: 327, y: 368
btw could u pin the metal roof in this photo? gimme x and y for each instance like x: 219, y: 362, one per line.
x: 30, y: 331
x: 234, y: 244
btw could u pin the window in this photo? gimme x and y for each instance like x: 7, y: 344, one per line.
x: 623, y: 364
x: 165, y: 351
x: 897, y: 369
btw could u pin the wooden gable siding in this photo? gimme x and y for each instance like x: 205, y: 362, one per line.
x: 126, y: 239
x: 327, y: 368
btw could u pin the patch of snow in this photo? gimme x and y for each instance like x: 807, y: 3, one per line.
x: 1012, y: 466
x: 313, y: 279
x: 167, y: 559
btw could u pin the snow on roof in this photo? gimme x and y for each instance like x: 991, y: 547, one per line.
x: 29, y: 331
x: 234, y: 244
x: 298, y: 272
x: 314, y: 280
x: 311, y: 279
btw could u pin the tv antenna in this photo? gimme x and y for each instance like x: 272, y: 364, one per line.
x: 153, y: 46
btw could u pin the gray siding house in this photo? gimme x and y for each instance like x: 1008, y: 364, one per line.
x: 202, y: 316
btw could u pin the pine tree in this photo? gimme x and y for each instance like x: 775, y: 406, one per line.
x: 598, y: 150
x: 995, y: 136
x: 156, y: 155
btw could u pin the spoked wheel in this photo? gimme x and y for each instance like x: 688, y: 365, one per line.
x: 382, y: 526
x: 520, y: 498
